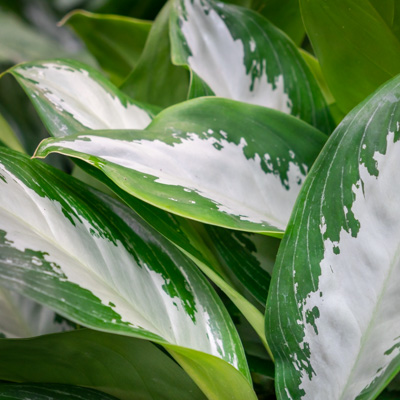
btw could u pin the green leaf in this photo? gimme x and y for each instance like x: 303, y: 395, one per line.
x: 8, y: 137
x: 127, y: 279
x: 115, y: 41
x: 21, y: 317
x: 71, y: 97
x: 155, y: 80
x: 261, y: 157
x: 121, y: 366
x: 240, y: 55
x: 332, y: 317
x: 356, y: 49
x: 49, y: 391
x: 19, y: 42
x: 285, y: 14
x: 247, y: 258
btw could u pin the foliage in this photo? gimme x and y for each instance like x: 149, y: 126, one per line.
x: 216, y: 215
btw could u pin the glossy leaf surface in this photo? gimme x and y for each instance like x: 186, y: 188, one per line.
x: 240, y: 55
x: 261, y: 157
x: 70, y: 96
x: 127, y: 279
x: 155, y: 80
x: 115, y: 41
x: 124, y: 367
x: 49, y: 391
x: 356, y: 49
x: 21, y: 317
x: 332, y: 316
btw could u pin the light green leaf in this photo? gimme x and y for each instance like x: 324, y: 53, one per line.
x: 127, y: 279
x: 155, y: 80
x: 368, y: 54
x: 49, y: 391
x: 213, y: 160
x: 70, y: 97
x: 241, y: 56
x: 115, y: 41
x: 332, y: 316
x: 21, y: 317
x: 121, y: 366
x: 8, y: 137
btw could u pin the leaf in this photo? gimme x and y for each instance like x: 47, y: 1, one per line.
x: 247, y: 258
x: 121, y: 366
x: 115, y: 41
x: 70, y: 97
x: 127, y: 279
x: 48, y: 391
x: 21, y: 317
x: 194, y: 241
x: 8, y: 137
x: 263, y: 156
x: 193, y: 246
x: 368, y: 54
x: 241, y: 56
x: 155, y: 79
x: 332, y: 317
x: 19, y: 42
x: 285, y: 15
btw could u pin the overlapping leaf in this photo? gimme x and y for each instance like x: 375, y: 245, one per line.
x: 235, y: 53
x: 155, y: 79
x: 121, y: 366
x: 21, y: 317
x: 332, y: 316
x: 116, y: 41
x: 93, y: 260
x: 179, y: 232
x: 214, y: 160
x: 357, y: 50
x: 49, y: 391
x: 70, y: 96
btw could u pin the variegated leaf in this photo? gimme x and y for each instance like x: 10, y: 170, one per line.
x: 236, y: 53
x: 95, y: 261
x: 214, y: 160
x: 71, y: 97
x: 333, y: 319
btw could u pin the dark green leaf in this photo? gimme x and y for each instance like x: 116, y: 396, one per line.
x: 49, y: 391
x: 124, y: 367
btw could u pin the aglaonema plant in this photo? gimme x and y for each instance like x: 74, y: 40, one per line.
x: 219, y: 236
